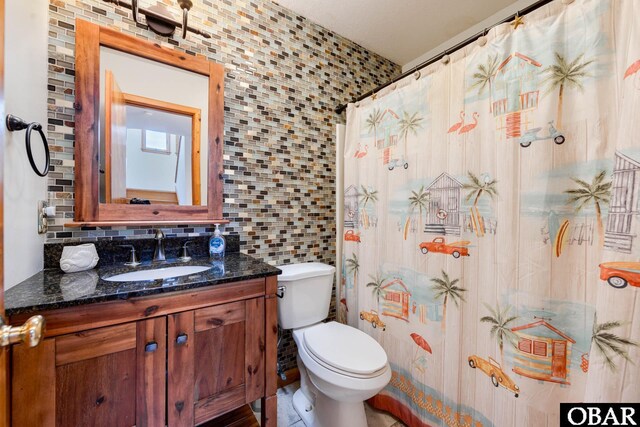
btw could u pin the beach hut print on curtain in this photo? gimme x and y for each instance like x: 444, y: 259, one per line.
x: 388, y: 129
x: 543, y: 352
x: 515, y: 94
x: 351, y: 207
x: 388, y: 135
x: 624, y: 207
x: 396, y: 300
x: 443, y: 216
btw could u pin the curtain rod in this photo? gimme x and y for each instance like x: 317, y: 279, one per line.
x: 340, y: 108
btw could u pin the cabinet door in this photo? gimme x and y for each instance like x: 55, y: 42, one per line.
x: 151, y: 372
x: 225, y: 349
x: 180, y: 343
x: 99, y: 377
x: 96, y: 377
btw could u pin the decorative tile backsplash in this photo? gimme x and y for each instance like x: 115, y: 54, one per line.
x: 284, y: 77
x: 110, y: 252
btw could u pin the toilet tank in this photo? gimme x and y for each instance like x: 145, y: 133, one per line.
x: 307, y: 294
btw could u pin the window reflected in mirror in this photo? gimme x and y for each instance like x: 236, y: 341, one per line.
x: 154, y: 141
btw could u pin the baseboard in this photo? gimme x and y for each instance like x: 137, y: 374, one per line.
x: 292, y: 374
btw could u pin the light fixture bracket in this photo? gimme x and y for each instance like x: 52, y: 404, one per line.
x: 161, y: 20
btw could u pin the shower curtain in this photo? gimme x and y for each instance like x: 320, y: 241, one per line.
x: 492, y: 227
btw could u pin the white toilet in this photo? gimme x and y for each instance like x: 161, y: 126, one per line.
x: 340, y: 366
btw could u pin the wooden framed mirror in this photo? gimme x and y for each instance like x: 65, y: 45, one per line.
x: 149, y: 132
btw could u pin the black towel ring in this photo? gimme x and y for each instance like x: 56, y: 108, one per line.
x: 15, y: 124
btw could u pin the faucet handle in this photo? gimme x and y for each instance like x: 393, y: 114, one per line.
x: 159, y: 234
x: 133, y: 260
x: 184, y: 255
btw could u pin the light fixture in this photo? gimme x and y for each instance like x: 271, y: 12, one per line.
x: 160, y: 20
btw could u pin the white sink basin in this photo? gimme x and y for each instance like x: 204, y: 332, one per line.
x: 158, y: 273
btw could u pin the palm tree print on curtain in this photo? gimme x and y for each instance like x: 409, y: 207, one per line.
x: 353, y: 266
x: 418, y: 200
x: 409, y: 124
x: 372, y: 122
x: 608, y: 344
x: 475, y: 189
x: 368, y: 195
x: 377, y: 282
x: 500, y: 329
x: 597, y: 193
x: 565, y: 74
x: 483, y: 78
x: 447, y: 289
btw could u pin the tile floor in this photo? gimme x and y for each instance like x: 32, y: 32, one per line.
x: 287, y: 416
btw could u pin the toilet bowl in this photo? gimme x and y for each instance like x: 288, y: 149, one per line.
x: 340, y: 366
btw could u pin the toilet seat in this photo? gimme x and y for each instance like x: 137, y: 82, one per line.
x: 345, y: 350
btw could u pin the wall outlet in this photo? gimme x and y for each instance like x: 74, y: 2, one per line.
x: 44, y: 211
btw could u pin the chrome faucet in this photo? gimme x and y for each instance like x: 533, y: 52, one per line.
x: 133, y: 258
x: 158, y: 254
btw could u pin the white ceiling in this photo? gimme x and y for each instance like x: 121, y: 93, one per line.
x: 399, y: 30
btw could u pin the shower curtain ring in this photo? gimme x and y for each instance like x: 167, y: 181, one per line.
x: 482, y: 40
x: 445, y: 58
x: 517, y: 21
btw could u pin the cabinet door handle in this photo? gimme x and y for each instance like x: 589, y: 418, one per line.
x: 181, y: 339
x: 150, y: 347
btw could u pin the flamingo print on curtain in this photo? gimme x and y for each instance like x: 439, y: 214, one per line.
x: 493, y: 226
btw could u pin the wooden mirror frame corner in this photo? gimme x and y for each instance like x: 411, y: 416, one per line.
x: 88, y: 209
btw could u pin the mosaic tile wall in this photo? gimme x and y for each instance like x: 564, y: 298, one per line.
x: 284, y: 77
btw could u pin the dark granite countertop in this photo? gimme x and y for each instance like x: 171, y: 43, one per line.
x: 53, y: 289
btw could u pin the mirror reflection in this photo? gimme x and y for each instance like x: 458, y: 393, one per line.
x: 152, y: 149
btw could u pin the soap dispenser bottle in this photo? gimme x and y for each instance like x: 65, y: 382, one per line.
x: 217, y: 244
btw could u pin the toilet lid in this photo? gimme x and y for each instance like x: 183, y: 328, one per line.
x: 345, y: 348
x: 307, y: 270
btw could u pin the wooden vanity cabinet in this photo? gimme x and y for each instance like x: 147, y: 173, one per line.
x: 181, y: 368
